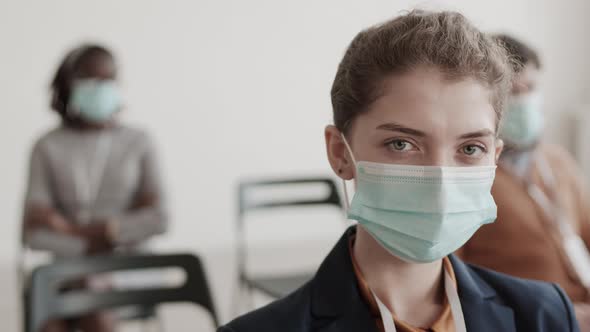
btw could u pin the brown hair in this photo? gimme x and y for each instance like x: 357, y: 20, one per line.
x: 445, y: 40
x: 520, y: 53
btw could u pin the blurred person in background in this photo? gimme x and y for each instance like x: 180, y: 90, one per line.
x: 543, y: 226
x: 416, y: 103
x: 93, y: 185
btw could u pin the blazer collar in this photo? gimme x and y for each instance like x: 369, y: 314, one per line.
x: 336, y: 298
x: 337, y: 304
x: 482, y: 309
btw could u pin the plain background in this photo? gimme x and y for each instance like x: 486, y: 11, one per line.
x: 233, y: 89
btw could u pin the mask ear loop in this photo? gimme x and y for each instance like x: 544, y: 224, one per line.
x: 346, y: 197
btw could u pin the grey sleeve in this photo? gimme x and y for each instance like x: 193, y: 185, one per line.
x: 61, y: 245
x: 141, y: 224
x: 39, y: 182
x: 39, y: 194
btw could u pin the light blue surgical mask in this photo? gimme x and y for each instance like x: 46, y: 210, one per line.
x: 422, y: 213
x: 522, y: 123
x: 95, y: 100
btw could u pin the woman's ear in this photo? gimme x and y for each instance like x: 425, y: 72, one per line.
x: 338, y: 155
x: 499, y: 148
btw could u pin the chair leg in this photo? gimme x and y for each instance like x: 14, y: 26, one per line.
x: 242, y: 290
x: 250, y: 295
x: 159, y: 323
x: 151, y: 324
x: 237, y: 298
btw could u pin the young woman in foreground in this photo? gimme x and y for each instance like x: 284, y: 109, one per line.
x: 416, y: 104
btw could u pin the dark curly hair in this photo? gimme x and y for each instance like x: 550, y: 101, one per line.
x: 71, y: 67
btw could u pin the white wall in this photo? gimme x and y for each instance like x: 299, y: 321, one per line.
x: 233, y: 88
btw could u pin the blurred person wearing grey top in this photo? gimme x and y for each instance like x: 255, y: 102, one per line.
x: 93, y: 184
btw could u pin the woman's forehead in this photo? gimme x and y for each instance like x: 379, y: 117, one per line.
x: 428, y: 100
x: 98, y: 65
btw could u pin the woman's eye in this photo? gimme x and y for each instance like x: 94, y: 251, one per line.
x: 400, y: 145
x: 472, y: 150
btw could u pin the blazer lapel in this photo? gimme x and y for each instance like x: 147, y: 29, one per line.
x: 337, y: 305
x: 482, y: 313
x: 487, y: 316
x: 353, y: 321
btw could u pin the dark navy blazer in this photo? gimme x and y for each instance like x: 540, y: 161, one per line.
x: 491, y: 301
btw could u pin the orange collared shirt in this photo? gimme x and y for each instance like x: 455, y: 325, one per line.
x: 444, y: 323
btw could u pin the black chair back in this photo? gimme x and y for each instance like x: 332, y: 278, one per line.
x: 246, y: 204
x: 333, y: 197
x: 48, y: 302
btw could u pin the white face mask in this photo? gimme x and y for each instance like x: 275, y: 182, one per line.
x: 522, y: 123
x: 95, y: 100
x: 422, y: 213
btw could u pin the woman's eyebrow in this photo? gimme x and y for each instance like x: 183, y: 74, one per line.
x: 477, y: 134
x: 401, y: 129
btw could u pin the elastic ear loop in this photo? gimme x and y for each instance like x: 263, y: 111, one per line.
x: 346, y: 197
